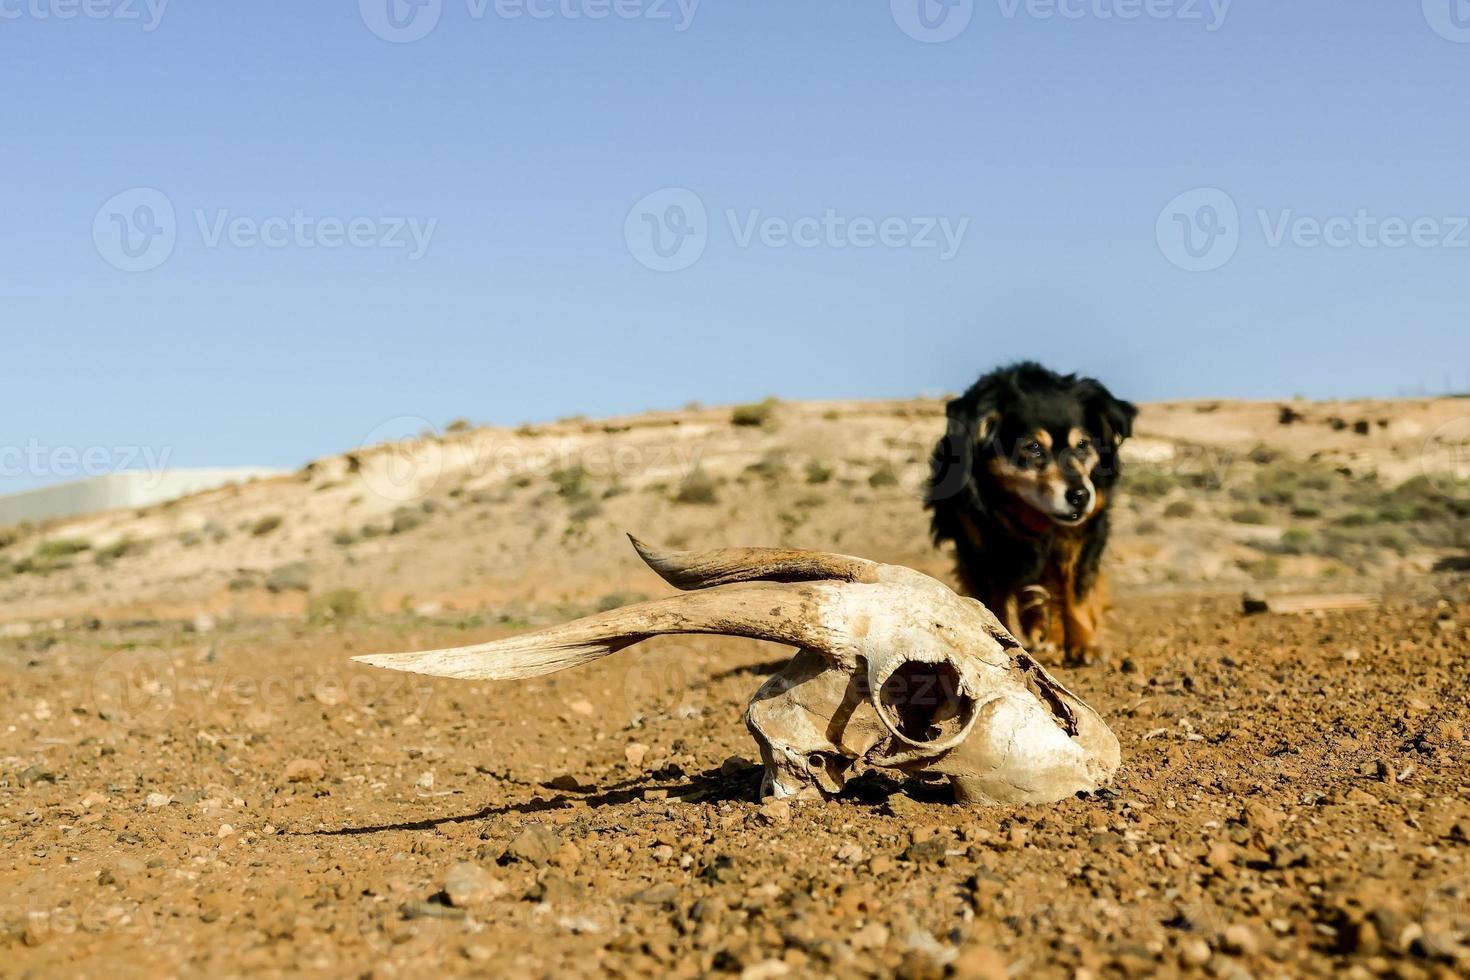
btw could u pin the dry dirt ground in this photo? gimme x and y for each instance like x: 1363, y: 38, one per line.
x: 195, y: 780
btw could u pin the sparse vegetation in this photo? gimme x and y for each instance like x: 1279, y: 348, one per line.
x: 121, y: 548
x: 771, y: 466
x: 295, y: 577
x: 571, y: 483
x: 406, y: 519
x: 698, y: 488
x: 1263, y: 455
x: 1179, y: 508
x: 56, y: 550
x: 49, y: 556
x: 335, y: 606
x: 616, y: 600
x: 758, y: 415
x: 1250, y: 515
x: 1148, y: 483
x: 266, y: 525
x: 884, y: 476
x: 584, y: 512
x: 817, y: 472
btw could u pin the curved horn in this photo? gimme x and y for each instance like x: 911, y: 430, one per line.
x: 782, y: 614
x: 707, y: 569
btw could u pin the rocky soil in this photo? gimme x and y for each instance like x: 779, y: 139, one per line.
x: 1296, y: 800
x: 195, y: 780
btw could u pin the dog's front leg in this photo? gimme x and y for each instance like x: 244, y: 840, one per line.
x: 1081, y: 616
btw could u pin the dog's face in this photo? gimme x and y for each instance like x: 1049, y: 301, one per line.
x: 1046, y: 440
x: 1044, y: 455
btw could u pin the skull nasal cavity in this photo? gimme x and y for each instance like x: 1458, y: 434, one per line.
x: 924, y: 703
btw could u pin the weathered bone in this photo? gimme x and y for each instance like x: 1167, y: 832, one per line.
x: 893, y: 669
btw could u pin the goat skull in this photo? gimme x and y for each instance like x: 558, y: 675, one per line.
x: 893, y: 669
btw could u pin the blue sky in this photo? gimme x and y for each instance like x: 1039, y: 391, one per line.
x: 816, y: 151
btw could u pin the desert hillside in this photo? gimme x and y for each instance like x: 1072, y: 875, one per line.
x: 508, y: 521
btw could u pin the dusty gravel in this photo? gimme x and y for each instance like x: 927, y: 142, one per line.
x: 1295, y: 801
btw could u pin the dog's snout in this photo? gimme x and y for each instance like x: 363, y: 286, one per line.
x: 1079, y: 497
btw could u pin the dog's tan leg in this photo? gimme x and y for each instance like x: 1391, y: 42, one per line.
x: 1081, y: 619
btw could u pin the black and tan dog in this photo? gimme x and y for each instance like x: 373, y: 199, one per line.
x: 1021, y: 484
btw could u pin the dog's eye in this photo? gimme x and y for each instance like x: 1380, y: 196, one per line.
x: 1033, y: 450
x: 1084, y: 447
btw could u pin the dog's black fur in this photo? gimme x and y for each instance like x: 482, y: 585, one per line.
x: 1021, y: 483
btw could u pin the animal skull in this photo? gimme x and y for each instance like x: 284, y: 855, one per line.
x: 893, y: 668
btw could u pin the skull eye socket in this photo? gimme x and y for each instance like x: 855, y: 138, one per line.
x: 924, y: 702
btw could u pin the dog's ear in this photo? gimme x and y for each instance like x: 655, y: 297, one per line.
x: 954, y: 455
x: 1110, y: 417
x: 986, y: 426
